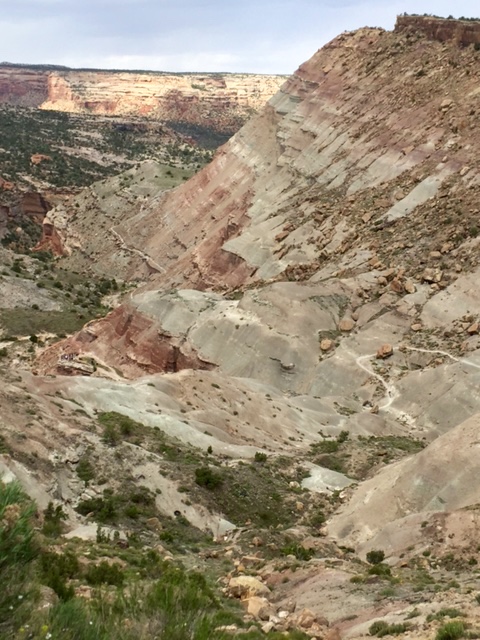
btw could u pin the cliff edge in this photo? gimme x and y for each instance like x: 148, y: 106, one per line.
x: 461, y: 32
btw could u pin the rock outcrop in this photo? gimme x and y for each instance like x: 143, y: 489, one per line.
x: 460, y: 32
x: 23, y: 87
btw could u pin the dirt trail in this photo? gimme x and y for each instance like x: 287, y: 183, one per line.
x: 144, y: 256
x: 391, y: 391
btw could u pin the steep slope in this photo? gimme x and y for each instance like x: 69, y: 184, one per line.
x: 430, y: 481
x: 376, y: 129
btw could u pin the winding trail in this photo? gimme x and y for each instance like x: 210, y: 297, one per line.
x: 391, y: 391
x: 144, y: 256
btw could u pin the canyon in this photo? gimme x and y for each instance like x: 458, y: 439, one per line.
x: 300, y: 321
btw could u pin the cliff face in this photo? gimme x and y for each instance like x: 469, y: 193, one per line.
x: 23, y: 87
x: 189, y: 98
x: 460, y: 32
x: 219, y: 101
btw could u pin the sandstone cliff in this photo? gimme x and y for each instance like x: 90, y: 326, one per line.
x: 22, y: 86
x: 219, y: 101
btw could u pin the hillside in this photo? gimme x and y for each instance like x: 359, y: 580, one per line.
x: 284, y: 396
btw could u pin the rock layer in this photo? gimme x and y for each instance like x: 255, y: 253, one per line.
x: 359, y: 140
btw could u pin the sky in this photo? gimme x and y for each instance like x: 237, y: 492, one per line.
x: 254, y: 36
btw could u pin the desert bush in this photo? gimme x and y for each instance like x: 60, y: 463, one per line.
x: 56, y: 569
x: 104, y: 509
x: 451, y: 631
x: 325, y: 446
x: 446, y: 612
x: 376, y: 556
x: 85, y: 470
x: 206, y: 477
x: 105, y: 573
x: 380, y: 569
x: 118, y: 427
x: 52, y: 520
x: 381, y: 628
x: 295, y: 549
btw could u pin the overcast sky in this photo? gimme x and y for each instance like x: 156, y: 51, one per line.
x: 262, y: 36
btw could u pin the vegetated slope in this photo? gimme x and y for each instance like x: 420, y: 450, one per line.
x: 308, y: 319
x: 53, y: 149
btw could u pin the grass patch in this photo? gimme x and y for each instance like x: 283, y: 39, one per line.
x: 24, y: 322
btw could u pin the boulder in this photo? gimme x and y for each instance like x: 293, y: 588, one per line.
x: 409, y: 287
x: 473, y: 328
x: 259, y: 607
x: 326, y: 344
x: 346, y: 324
x: 385, y: 351
x: 247, y: 587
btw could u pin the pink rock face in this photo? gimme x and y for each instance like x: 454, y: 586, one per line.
x: 22, y: 86
x: 129, y: 341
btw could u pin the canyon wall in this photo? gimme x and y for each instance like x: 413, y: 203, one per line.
x: 375, y: 126
x: 223, y: 101
x: 363, y: 168
x: 23, y: 87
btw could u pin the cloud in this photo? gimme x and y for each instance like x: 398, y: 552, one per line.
x: 192, y: 35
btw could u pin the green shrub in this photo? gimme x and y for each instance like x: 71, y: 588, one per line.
x: 446, y: 612
x: 376, y: 556
x: 105, y: 573
x: 295, y: 549
x: 206, y: 477
x: 52, y: 521
x: 451, y: 631
x: 103, y: 509
x: 111, y: 435
x: 380, y: 570
x: 17, y: 548
x: 85, y: 470
x: 325, y: 446
x: 260, y: 457
x: 381, y: 628
x: 118, y: 427
x: 56, y: 569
